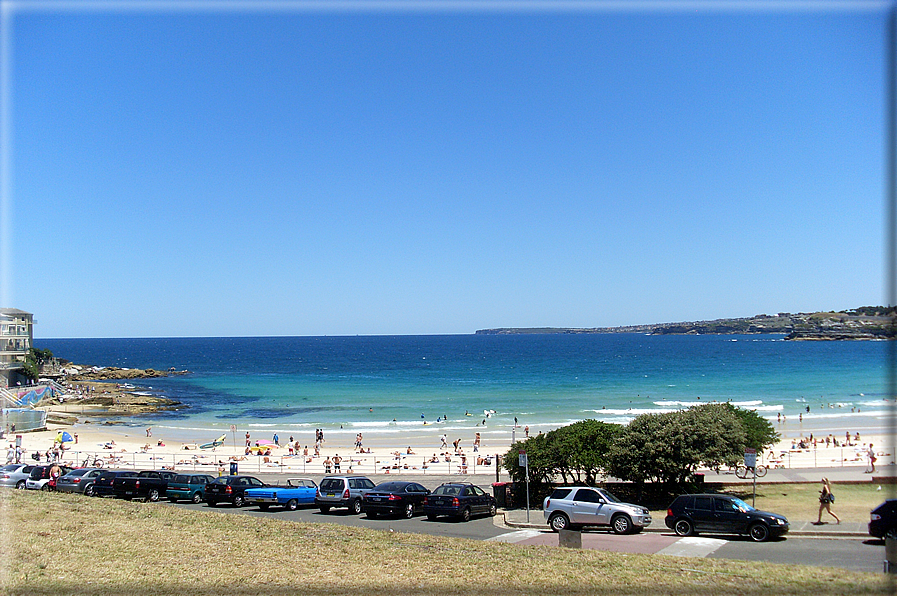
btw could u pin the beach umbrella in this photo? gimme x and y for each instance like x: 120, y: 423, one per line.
x: 64, y: 437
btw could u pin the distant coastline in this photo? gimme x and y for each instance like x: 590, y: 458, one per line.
x: 864, y: 323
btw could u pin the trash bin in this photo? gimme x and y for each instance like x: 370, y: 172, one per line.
x: 500, y: 492
x: 233, y: 468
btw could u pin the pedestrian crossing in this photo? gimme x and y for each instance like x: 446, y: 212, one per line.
x: 518, y: 536
x: 692, y: 546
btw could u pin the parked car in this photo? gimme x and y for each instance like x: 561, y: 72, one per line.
x: 40, y: 477
x: 395, y: 497
x: 80, y: 480
x: 103, y: 485
x: 458, y: 500
x: 577, y: 506
x: 298, y: 491
x: 150, y: 485
x: 230, y: 489
x: 191, y: 487
x: 342, y: 491
x: 883, y: 519
x: 722, y: 514
x: 15, y: 475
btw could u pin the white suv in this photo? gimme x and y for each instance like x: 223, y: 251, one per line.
x: 576, y: 506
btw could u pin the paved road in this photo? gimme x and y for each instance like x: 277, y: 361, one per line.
x: 856, y: 554
x: 478, y: 528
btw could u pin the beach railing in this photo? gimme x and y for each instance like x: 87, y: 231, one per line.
x: 212, y: 463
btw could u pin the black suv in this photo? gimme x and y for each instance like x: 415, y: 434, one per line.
x: 722, y: 514
x: 883, y: 519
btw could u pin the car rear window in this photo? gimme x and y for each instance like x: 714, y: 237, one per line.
x: 332, y: 484
x: 80, y: 472
x: 447, y: 490
x: 389, y: 487
x: 11, y: 467
x: 182, y: 479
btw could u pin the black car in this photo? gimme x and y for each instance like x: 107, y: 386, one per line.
x: 722, y: 514
x: 102, y: 487
x: 883, y: 519
x: 230, y: 489
x: 458, y: 500
x: 397, y: 497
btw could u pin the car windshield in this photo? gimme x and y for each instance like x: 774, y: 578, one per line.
x: 609, y: 497
x: 742, y: 505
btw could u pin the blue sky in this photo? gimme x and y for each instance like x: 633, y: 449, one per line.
x: 406, y: 171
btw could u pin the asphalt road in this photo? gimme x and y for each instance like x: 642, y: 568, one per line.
x: 855, y: 554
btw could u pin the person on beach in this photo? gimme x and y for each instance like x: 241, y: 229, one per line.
x: 327, y: 464
x: 336, y: 461
x: 826, y: 498
x: 55, y: 473
x: 248, y: 443
x: 872, y: 458
x: 444, y: 440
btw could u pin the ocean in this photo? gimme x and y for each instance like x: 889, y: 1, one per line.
x: 393, y: 385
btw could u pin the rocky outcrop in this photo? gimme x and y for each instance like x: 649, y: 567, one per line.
x: 111, y: 373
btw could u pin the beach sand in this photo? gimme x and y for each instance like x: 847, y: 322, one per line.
x: 133, y: 448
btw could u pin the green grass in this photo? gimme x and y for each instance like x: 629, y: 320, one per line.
x: 56, y: 544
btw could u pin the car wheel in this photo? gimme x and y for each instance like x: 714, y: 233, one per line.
x: 683, y: 527
x: 152, y: 495
x: 324, y: 509
x: 45, y: 487
x: 465, y: 514
x: 89, y: 491
x: 355, y: 507
x: 292, y: 505
x: 432, y: 516
x: 559, y: 522
x: 409, y: 510
x: 20, y: 485
x: 759, y: 533
x: 197, y: 498
x: 238, y: 501
x: 621, y: 524
x: 492, y: 510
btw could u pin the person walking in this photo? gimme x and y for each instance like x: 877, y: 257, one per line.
x: 872, y: 458
x: 826, y: 498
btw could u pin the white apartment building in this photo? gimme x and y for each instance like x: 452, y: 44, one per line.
x: 16, y: 338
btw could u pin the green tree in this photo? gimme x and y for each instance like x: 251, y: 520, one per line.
x: 670, y: 447
x: 759, y: 432
x: 34, y: 359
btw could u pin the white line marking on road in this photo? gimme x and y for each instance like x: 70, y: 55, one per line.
x: 691, y: 546
x: 518, y: 536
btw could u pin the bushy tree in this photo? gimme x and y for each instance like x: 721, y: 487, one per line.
x: 669, y: 447
x: 759, y: 432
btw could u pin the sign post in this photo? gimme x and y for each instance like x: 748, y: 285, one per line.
x: 524, y: 462
x: 750, y: 461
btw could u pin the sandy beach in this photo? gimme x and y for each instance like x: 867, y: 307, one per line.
x: 127, y: 446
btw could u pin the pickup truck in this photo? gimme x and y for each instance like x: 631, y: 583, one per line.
x: 148, y: 484
x: 298, y: 491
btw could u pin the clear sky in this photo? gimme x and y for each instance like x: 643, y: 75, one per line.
x: 222, y: 170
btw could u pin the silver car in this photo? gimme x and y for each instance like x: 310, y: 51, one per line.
x: 342, y: 491
x: 79, y: 481
x: 577, y: 506
x: 15, y: 475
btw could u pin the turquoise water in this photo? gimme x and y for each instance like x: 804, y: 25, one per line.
x: 394, y: 384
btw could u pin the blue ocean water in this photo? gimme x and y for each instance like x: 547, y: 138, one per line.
x: 393, y: 384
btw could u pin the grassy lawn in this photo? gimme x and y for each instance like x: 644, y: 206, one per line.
x: 67, y: 544
x: 800, y: 502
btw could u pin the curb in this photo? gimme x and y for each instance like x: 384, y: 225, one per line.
x: 800, y: 533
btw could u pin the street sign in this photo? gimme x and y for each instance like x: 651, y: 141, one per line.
x: 750, y: 457
x: 522, y: 459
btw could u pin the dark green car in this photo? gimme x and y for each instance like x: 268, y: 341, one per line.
x: 190, y: 487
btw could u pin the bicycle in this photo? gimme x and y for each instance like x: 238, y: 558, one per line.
x: 96, y: 463
x: 743, y: 471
